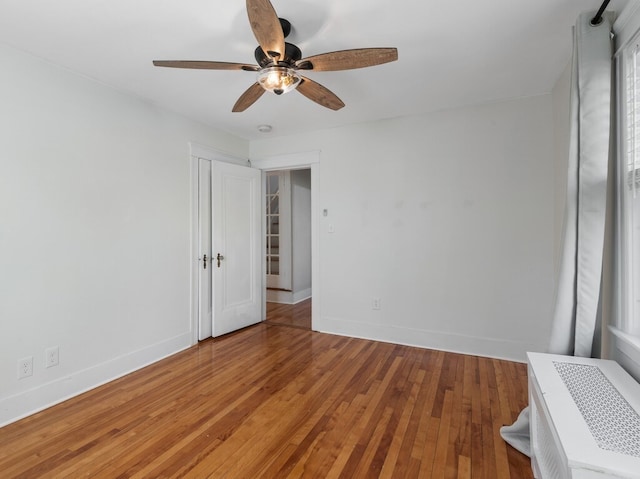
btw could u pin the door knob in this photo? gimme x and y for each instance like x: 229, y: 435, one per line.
x: 219, y: 258
x: 204, y: 260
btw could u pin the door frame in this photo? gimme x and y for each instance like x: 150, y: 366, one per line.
x: 297, y: 161
x: 204, y: 246
x: 301, y: 160
x: 196, y: 153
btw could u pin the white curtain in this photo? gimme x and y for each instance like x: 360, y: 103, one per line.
x: 578, y: 286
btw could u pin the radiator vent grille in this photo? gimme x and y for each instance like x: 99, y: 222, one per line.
x: 547, y: 453
x: 602, y: 407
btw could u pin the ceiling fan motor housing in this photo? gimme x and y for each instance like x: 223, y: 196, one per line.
x: 291, y: 52
x: 291, y: 55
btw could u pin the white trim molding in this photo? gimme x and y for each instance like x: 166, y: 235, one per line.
x: 429, y: 339
x: 197, y: 150
x: 303, y: 159
x: 625, y: 349
x: 626, y: 25
x: 29, y: 402
x: 292, y: 161
x: 288, y: 297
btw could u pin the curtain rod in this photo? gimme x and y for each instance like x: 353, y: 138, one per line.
x: 598, y: 18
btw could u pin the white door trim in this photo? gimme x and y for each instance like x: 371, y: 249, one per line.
x: 289, y: 161
x: 197, y: 152
x: 200, y: 151
x: 205, y: 274
x: 305, y: 159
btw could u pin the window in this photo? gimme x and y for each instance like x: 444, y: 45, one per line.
x: 629, y: 190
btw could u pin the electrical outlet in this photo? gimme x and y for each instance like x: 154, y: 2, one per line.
x: 25, y: 367
x: 51, y: 357
x: 375, y: 303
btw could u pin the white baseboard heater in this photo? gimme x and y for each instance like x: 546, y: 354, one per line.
x: 585, y: 418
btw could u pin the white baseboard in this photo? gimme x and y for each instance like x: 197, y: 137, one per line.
x: 43, y: 396
x: 287, y: 297
x: 301, y: 295
x: 282, y: 297
x: 456, y: 343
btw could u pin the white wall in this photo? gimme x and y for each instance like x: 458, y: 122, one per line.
x: 94, y: 231
x: 301, y: 234
x: 448, y: 218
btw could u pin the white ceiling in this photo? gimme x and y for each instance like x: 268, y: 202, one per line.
x: 450, y: 53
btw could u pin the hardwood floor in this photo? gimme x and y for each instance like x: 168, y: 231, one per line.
x: 296, y: 315
x: 275, y: 402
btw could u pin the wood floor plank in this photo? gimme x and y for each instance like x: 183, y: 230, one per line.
x: 442, y: 446
x: 277, y: 401
x: 459, y: 433
x: 429, y: 452
x: 417, y: 440
x: 464, y: 467
x: 499, y: 446
x: 411, y: 388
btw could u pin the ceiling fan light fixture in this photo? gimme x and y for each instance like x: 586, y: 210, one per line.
x: 278, y: 61
x: 278, y: 80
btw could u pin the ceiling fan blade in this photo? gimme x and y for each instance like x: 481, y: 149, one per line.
x: 266, y: 27
x: 201, y: 65
x: 248, y: 98
x: 321, y: 95
x: 348, y: 59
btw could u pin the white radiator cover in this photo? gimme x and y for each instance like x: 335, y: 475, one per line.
x: 585, y: 418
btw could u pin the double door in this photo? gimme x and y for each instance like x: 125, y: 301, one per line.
x: 230, y: 247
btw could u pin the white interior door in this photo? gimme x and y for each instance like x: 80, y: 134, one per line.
x: 204, y: 250
x: 236, y: 262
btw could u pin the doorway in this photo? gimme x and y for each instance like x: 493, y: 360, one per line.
x: 226, y: 251
x: 288, y: 246
x: 304, y: 160
x: 310, y: 161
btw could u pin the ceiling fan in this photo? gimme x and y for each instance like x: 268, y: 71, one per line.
x: 280, y: 62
